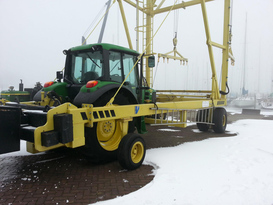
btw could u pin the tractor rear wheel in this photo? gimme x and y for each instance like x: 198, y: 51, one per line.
x: 103, y: 139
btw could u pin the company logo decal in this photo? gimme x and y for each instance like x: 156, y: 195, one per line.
x: 136, y: 109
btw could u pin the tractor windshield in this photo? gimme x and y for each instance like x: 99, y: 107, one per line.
x: 86, y: 66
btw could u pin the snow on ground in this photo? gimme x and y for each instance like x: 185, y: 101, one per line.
x: 228, y: 171
x: 168, y: 130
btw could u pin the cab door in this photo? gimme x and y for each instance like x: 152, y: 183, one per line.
x: 132, y: 79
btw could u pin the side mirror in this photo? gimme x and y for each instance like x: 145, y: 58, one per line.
x: 151, y: 61
x: 59, y: 76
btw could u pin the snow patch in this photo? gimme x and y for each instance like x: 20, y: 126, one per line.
x: 229, y: 170
x: 168, y: 130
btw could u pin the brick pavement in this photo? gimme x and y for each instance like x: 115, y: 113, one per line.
x: 67, y: 177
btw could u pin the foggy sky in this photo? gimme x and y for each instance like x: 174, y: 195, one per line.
x: 34, y: 33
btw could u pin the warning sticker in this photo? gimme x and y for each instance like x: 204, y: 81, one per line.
x: 205, y: 104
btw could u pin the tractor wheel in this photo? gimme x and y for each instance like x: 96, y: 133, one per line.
x: 202, y: 116
x: 131, y: 151
x: 219, y: 120
x: 103, y: 139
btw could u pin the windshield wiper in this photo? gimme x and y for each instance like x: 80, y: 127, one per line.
x: 92, y: 60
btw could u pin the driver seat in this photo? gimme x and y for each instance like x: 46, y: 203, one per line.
x: 90, y: 76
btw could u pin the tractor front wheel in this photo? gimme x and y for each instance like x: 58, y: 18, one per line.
x: 219, y: 120
x: 131, y: 151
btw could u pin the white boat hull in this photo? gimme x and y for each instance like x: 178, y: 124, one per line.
x: 267, y: 105
x: 244, y: 102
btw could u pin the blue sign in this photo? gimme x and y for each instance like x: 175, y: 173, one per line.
x: 136, y: 109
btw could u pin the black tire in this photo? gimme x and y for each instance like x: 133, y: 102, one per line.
x: 219, y: 120
x: 202, y: 116
x: 93, y: 148
x: 131, y: 151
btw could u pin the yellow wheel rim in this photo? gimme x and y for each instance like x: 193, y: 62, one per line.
x: 137, y: 152
x: 109, y: 134
x: 224, y: 120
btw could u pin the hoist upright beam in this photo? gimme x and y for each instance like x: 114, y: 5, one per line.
x: 125, y: 24
x: 149, y: 50
x: 214, y: 86
x: 178, y: 6
x: 150, y: 10
x: 226, y: 43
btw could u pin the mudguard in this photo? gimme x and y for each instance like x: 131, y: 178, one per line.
x: 92, y: 97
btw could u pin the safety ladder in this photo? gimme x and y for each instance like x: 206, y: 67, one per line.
x: 167, y: 116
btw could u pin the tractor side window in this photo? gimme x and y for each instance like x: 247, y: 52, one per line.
x: 128, y: 63
x: 77, y: 69
x: 115, y: 66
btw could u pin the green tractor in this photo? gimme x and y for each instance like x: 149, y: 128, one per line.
x: 21, y: 95
x: 93, y: 74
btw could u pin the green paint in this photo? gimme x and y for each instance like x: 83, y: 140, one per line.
x: 60, y: 88
x: 14, y: 96
x: 105, y: 46
x: 98, y: 86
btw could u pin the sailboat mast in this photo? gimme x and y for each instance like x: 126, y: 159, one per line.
x: 244, y: 73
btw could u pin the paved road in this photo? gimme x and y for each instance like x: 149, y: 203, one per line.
x: 67, y: 177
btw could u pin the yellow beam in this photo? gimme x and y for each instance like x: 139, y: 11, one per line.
x: 78, y: 126
x: 137, y: 110
x: 218, y: 45
x: 178, y: 6
x: 125, y: 24
x: 135, y: 5
x: 185, y: 91
x: 226, y: 42
x: 215, y: 87
x: 149, y: 40
x: 174, y: 57
x: 160, y: 4
x: 182, y: 96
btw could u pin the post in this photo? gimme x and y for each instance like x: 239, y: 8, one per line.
x: 125, y: 24
x: 226, y: 45
x: 215, y: 88
x: 149, y: 40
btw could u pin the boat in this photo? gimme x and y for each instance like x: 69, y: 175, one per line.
x: 245, y: 101
x: 268, y: 102
x: 267, y: 105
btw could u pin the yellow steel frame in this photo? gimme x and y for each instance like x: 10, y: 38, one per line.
x: 152, y: 9
x: 171, y: 100
x: 78, y: 127
x: 122, y: 113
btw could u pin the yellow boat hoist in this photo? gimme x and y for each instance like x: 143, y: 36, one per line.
x: 104, y: 97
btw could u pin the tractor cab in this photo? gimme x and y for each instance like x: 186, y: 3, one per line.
x: 91, y: 67
x: 96, y: 71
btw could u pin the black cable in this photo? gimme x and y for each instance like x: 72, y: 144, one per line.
x: 225, y: 93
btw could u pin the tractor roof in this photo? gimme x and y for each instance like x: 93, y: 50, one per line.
x: 105, y: 46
